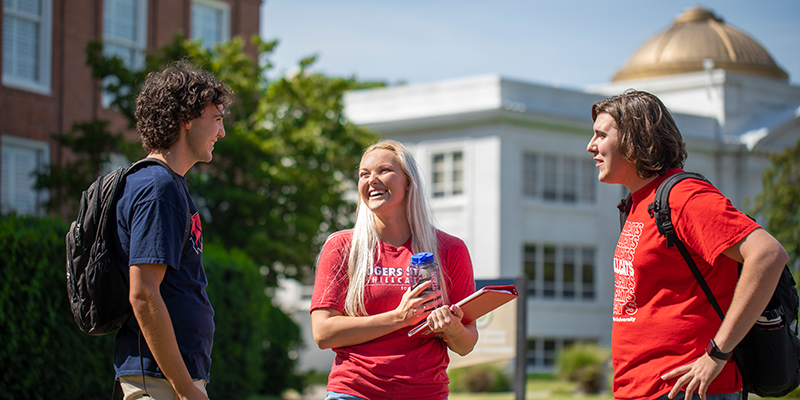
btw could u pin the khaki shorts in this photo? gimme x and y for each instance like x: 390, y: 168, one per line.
x: 158, y: 389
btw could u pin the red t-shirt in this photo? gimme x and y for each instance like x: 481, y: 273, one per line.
x: 662, y: 318
x: 393, y: 366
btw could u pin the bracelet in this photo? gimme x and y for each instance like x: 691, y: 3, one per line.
x: 454, y: 337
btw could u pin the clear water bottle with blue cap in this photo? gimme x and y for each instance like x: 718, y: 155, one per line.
x: 424, y: 269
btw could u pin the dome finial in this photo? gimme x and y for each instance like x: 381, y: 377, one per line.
x: 696, y: 14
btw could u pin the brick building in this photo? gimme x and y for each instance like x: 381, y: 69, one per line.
x: 47, y: 86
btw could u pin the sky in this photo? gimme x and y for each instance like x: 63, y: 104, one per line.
x: 567, y: 43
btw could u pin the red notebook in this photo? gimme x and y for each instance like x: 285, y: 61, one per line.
x: 479, y: 304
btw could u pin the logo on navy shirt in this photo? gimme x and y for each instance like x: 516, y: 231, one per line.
x: 196, y: 235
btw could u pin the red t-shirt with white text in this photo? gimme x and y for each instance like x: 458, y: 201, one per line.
x: 393, y: 366
x: 662, y: 318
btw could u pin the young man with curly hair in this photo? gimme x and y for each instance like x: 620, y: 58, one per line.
x: 667, y: 340
x: 164, y: 349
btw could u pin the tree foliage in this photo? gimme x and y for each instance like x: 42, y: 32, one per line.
x: 277, y: 183
x: 779, y: 201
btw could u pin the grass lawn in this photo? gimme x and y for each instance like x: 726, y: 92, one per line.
x: 538, y: 387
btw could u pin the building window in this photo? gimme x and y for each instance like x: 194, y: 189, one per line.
x: 560, y: 272
x: 20, y: 159
x: 542, y: 352
x: 448, y: 174
x: 563, y: 179
x: 124, y: 36
x: 210, y: 22
x: 27, y: 44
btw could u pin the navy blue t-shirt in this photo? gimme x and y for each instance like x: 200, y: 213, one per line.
x: 151, y: 223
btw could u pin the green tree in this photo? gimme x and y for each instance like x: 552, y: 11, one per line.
x: 779, y: 201
x: 276, y: 186
x: 275, y: 189
x: 93, y: 141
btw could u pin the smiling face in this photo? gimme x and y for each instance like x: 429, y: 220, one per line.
x: 382, y: 184
x: 612, y: 166
x: 204, y: 131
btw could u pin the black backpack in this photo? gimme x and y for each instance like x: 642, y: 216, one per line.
x: 96, y: 286
x: 768, y: 356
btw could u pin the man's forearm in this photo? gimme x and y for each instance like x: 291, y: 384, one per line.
x: 764, y: 260
x: 156, y: 326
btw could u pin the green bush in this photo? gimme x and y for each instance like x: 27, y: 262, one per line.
x: 253, y: 338
x: 582, y: 363
x: 480, y: 378
x: 43, y: 352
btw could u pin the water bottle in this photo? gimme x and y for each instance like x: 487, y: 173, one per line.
x: 423, y: 269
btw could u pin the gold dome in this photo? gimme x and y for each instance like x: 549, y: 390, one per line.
x: 697, y: 35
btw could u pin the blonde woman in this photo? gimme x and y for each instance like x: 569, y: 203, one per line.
x: 363, y: 306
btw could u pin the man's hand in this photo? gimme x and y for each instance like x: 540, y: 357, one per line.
x: 193, y: 393
x: 695, y: 376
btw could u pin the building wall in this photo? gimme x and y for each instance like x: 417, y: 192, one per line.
x: 495, y: 122
x: 496, y: 220
x: 75, y: 95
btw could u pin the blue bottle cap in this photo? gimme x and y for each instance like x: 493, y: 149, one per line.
x: 422, y: 258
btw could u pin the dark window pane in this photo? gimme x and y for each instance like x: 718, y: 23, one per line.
x: 570, y: 180
x: 589, y: 180
x: 550, y: 177
x: 588, y: 273
x: 530, y: 268
x: 569, y: 273
x: 549, y: 271
x: 529, y: 175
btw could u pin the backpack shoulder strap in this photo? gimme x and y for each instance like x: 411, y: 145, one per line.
x: 624, y: 208
x: 660, y: 211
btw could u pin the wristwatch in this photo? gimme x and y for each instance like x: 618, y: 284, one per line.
x: 714, y: 351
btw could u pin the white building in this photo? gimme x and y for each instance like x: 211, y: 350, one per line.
x: 508, y: 172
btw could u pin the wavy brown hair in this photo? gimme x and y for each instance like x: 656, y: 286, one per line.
x: 173, y: 96
x: 648, y: 136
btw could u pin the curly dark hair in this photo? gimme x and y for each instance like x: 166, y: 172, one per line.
x: 176, y: 95
x: 648, y: 136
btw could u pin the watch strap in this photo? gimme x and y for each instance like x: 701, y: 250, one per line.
x: 714, y: 351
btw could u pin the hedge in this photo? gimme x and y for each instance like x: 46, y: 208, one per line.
x: 45, y: 355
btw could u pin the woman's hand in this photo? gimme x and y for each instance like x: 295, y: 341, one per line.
x: 447, y: 320
x: 415, y: 305
x: 446, y: 323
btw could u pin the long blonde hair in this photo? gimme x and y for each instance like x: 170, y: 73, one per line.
x: 365, y: 243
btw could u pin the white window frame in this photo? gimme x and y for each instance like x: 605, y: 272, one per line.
x: 36, y: 145
x: 548, y: 182
x: 225, y: 23
x: 138, y: 45
x: 447, y: 188
x: 44, y: 54
x: 578, y: 290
